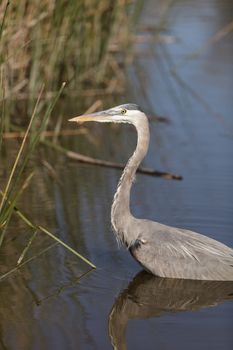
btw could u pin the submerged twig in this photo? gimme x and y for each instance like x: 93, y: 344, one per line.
x: 94, y: 161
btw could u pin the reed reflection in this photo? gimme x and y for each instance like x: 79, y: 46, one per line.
x: 148, y: 296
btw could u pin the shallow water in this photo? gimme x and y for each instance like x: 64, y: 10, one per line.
x: 48, y: 305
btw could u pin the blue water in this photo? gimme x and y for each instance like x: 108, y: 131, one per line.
x: 185, y: 76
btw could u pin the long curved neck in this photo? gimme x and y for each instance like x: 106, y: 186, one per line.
x: 120, y: 213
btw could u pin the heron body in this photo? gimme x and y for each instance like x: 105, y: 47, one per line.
x: 163, y: 250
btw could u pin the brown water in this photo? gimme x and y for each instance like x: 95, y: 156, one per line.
x: 46, y: 305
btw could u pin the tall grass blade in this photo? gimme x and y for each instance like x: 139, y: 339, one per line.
x: 12, y: 194
x: 6, y: 215
x: 4, y: 17
x: 66, y: 246
x: 2, y: 98
x: 37, y: 135
x: 19, y: 153
x: 51, y: 235
x: 24, y: 252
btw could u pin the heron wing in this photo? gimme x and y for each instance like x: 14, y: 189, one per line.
x: 172, y: 252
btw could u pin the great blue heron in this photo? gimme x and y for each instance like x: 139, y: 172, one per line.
x: 162, y: 250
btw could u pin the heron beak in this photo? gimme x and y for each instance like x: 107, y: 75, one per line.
x: 96, y: 117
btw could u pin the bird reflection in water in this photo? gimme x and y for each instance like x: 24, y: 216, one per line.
x: 149, y: 296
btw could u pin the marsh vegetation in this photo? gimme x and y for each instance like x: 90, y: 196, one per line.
x: 51, y: 51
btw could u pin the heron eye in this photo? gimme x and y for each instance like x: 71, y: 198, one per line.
x: 123, y: 111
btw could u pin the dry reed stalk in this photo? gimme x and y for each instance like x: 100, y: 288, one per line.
x: 48, y: 133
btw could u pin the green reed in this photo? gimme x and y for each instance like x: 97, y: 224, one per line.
x: 15, y: 183
x: 47, y: 42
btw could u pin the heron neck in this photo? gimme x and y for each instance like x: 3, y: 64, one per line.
x: 121, y: 216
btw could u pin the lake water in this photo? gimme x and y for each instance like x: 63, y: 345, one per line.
x: 184, y: 74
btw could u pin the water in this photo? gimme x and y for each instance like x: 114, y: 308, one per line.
x: 47, y: 304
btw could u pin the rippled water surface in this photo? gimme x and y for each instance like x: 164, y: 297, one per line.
x: 186, y: 76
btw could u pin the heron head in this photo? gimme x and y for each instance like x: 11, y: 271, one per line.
x: 126, y: 113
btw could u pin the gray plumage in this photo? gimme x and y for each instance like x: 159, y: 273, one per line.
x: 162, y: 250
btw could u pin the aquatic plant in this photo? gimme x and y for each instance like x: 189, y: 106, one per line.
x: 48, y: 42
